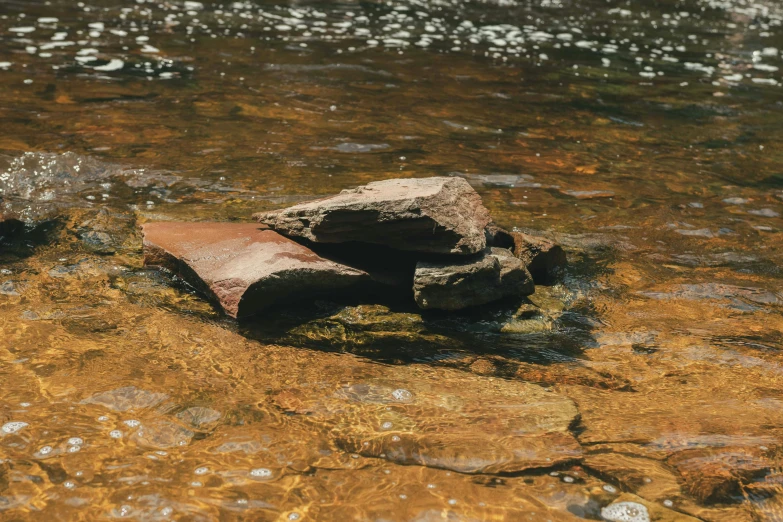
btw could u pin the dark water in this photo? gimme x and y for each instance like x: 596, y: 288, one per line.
x: 643, y: 136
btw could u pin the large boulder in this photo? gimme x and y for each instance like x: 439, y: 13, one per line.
x: 245, y: 267
x: 459, y: 283
x: 432, y: 215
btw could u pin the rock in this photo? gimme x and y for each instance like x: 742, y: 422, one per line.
x: 542, y: 257
x: 714, y: 474
x: 365, y: 329
x: 245, y: 267
x: 407, y: 418
x: 460, y: 283
x: 498, y: 236
x: 127, y: 398
x: 199, y: 416
x: 105, y: 231
x: 161, y: 434
x: 431, y: 215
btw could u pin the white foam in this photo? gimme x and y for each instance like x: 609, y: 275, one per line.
x: 113, y: 65
x: 13, y: 427
x: 625, y: 512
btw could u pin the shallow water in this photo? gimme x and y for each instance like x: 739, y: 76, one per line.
x: 643, y: 136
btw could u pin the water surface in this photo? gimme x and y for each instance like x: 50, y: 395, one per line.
x: 643, y: 136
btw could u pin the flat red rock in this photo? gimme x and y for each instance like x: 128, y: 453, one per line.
x: 245, y: 267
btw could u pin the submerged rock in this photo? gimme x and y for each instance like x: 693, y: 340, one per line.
x: 245, y: 267
x: 431, y: 215
x: 161, y: 434
x: 199, y: 416
x: 460, y: 283
x: 105, y: 231
x: 713, y: 474
x: 406, y: 419
x: 127, y: 398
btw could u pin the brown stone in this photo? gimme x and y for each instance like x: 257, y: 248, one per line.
x: 460, y: 283
x: 714, y: 474
x: 431, y: 215
x: 245, y: 267
x: 542, y: 257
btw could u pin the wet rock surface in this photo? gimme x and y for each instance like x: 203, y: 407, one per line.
x: 430, y: 215
x: 543, y: 257
x: 426, y: 236
x: 404, y: 420
x: 245, y: 267
x: 713, y: 474
x: 107, y: 231
x: 457, y: 284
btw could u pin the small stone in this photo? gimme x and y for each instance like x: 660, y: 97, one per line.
x: 431, y: 215
x: 542, y: 257
x: 457, y: 284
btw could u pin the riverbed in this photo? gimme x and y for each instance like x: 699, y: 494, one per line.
x: 644, y: 137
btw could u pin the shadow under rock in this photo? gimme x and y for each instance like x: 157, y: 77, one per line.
x: 19, y: 240
x: 397, y: 332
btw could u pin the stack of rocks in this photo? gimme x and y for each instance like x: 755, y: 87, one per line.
x: 432, y: 236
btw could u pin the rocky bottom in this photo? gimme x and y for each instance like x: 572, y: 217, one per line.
x: 128, y: 395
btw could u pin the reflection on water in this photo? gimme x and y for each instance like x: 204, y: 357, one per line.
x: 643, y: 136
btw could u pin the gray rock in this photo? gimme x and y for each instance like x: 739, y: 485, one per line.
x: 431, y: 215
x: 460, y: 283
x: 244, y: 267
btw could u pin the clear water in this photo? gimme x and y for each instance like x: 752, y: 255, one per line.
x: 644, y: 136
